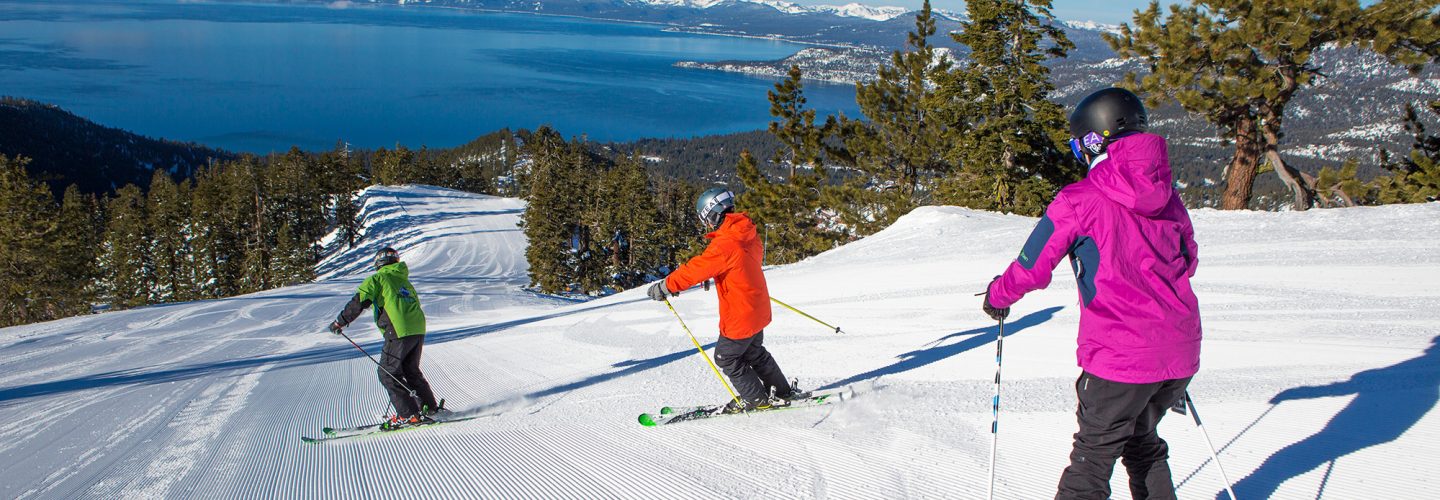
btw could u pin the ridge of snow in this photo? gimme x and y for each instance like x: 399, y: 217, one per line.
x: 1094, y: 26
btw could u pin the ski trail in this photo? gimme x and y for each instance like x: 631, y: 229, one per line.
x: 194, y: 427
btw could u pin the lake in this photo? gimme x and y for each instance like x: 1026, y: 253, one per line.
x: 259, y: 78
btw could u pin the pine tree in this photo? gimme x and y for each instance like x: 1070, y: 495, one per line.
x: 127, y: 262
x: 393, y: 168
x: 789, y: 213
x: 631, y: 226
x: 293, y: 261
x: 294, y: 199
x: 1240, y: 63
x: 75, y: 250
x: 903, y: 141
x: 553, y: 214
x: 24, y: 252
x: 217, y: 215
x: 1415, y: 178
x: 1005, y: 132
x: 169, y: 216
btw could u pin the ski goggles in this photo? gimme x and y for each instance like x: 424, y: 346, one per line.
x: 1075, y: 149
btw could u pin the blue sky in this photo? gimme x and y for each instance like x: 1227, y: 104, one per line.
x: 1110, y: 12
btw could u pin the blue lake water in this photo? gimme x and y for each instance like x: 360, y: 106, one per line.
x: 255, y: 77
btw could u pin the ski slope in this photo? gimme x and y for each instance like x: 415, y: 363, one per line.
x: 1319, y: 377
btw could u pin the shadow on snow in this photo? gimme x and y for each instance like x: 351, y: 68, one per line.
x: 1388, y: 402
x: 916, y: 359
x: 342, y: 351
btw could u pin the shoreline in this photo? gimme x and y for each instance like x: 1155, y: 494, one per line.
x: 666, y: 27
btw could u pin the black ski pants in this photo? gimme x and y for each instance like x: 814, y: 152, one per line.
x: 1118, y: 420
x: 401, y: 358
x: 750, y: 367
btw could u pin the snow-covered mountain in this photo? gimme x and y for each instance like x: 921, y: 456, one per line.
x: 1320, y: 373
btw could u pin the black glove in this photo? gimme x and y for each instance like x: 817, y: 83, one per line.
x: 335, y: 328
x: 659, y: 292
x: 994, y: 313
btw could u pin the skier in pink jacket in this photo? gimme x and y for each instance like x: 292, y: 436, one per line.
x: 1132, y: 248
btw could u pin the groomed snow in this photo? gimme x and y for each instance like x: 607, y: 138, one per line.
x: 1335, y: 310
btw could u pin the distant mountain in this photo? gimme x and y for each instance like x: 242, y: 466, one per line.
x: 66, y: 149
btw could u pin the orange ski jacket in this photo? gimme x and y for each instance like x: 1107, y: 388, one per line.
x: 733, y: 258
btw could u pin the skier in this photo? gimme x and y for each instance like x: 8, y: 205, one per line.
x: 733, y: 259
x: 402, y: 323
x: 1133, y: 251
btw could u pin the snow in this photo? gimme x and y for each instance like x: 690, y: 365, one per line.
x: 1423, y: 86
x: 209, y: 399
x: 1094, y: 26
x: 870, y: 12
x: 873, y: 13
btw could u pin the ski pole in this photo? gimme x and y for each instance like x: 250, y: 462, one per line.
x: 414, y: 396
x: 995, y: 408
x: 702, y: 353
x: 1213, y: 455
x: 802, y: 313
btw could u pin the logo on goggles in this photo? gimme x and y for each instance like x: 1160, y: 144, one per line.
x: 1094, y: 142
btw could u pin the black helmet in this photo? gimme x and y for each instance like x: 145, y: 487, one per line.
x: 385, y: 257
x: 1102, y: 117
x: 712, y: 205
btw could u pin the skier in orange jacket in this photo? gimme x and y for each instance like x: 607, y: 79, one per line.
x: 733, y: 259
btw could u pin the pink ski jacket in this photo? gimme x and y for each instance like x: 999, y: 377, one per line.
x: 1133, y: 251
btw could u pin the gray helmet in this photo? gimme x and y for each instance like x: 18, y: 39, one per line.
x: 712, y: 205
x: 385, y: 257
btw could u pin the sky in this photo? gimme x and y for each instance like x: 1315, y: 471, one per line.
x: 1109, y: 12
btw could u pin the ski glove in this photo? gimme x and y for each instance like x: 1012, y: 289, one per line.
x: 994, y: 313
x: 335, y: 328
x: 658, y: 292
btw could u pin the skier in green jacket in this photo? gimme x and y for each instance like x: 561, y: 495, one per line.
x: 398, y: 314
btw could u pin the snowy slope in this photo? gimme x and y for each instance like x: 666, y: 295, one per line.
x: 208, y: 399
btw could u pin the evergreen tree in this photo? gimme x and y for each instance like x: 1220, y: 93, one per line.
x: 217, y: 216
x: 633, y: 243
x: 903, y: 141
x: 552, y: 219
x: 1240, y: 63
x: 24, y: 248
x: 127, y: 263
x: 344, y: 175
x: 680, y: 236
x: 75, y: 251
x: 169, y: 216
x: 393, y: 168
x: 293, y: 261
x: 1005, y: 131
x: 248, y: 190
x: 1415, y: 178
x: 789, y: 213
x: 295, y: 199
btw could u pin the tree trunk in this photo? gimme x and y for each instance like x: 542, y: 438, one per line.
x: 1272, y: 113
x: 1240, y: 174
x: 1301, y: 185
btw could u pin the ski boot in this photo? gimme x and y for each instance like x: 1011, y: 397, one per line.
x: 438, y: 411
x: 795, y: 394
x: 395, y: 422
x: 745, y: 405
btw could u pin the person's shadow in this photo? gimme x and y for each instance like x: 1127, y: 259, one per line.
x: 1388, y: 401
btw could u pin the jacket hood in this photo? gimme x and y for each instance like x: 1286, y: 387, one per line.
x: 1136, y: 174
x: 737, y: 227
x: 398, y: 269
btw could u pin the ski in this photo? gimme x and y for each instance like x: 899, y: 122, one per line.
x: 670, y: 415
x: 336, y: 434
